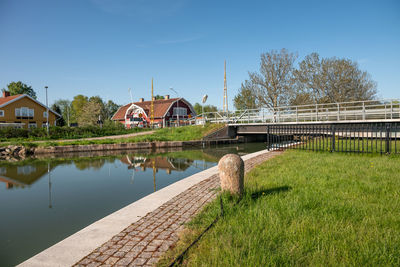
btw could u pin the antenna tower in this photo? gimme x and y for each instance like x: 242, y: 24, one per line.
x: 225, y: 106
x: 152, y: 105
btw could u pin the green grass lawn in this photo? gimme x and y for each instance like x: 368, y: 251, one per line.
x: 305, y: 208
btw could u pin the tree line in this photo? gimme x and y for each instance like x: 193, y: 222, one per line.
x: 82, y: 110
x: 315, y: 80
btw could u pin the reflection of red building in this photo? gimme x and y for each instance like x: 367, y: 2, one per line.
x: 166, y: 111
x: 164, y: 163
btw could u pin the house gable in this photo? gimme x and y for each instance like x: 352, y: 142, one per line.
x: 11, y: 99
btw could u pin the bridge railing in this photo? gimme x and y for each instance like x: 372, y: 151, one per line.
x: 385, y: 110
x: 368, y: 137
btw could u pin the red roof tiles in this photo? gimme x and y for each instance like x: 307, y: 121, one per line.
x: 160, y: 108
x: 6, y: 99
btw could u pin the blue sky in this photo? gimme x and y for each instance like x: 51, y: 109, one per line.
x: 104, y: 47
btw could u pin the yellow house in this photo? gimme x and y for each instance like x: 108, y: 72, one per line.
x: 22, y: 111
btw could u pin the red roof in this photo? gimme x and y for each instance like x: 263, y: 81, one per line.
x: 160, y: 108
x: 6, y: 99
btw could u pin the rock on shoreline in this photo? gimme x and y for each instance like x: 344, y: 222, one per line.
x: 13, y: 153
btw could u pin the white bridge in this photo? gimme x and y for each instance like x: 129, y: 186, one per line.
x: 344, y: 112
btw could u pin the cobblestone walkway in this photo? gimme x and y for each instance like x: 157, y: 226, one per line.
x: 143, y: 242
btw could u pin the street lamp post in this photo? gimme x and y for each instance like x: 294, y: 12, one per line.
x: 47, y: 112
x: 177, y: 104
x: 68, y: 116
x: 202, y: 108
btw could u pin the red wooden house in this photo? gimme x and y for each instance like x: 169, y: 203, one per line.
x: 166, y: 112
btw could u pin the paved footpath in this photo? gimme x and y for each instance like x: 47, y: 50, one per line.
x: 143, y: 242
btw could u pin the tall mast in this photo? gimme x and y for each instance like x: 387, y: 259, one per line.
x: 225, y: 106
x: 152, y: 105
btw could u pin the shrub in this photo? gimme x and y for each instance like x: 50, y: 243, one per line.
x: 64, y: 132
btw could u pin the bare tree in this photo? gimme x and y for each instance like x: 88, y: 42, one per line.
x: 273, y: 85
x: 332, y: 80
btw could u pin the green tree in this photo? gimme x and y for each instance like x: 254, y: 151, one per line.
x: 157, y: 97
x: 60, y: 120
x: 207, y: 108
x: 66, y: 110
x: 246, y: 98
x: 197, y: 108
x: 16, y: 88
x: 111, y: 108
x: 78, y: 103
x: 91, y: 112
x: 103, y: 112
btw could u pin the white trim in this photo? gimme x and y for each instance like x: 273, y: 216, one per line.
x: 141, y: 110
x: 2, y: 113
x: 186, y: 102
x: 37, y: 102
x: 30, y: 124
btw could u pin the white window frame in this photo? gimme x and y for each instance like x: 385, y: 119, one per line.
x: 32, y: 125
x: 17, y: 112
x: 1, y: 113
x: 44, y: 124
x: 45, y: 114
x: 26, y: 170
x: 182, y: 111
x: 24, y: 112
x: 31, y: 112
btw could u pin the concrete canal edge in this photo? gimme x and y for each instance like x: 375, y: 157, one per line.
x: 73, y: 248
x: 127, y: 146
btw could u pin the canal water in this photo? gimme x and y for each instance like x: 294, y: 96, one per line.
x: 44, y: 200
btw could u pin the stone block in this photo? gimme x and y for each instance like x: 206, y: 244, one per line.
x: 231, y: 174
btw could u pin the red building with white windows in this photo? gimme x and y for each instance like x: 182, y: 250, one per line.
x: 166, y: 112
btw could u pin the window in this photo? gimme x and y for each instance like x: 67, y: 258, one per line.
x: 44, y: 114
x: 24, y: 112
x: 180, y: 111
x: 44, y: 124
x: 32, y: 125
x: 27, y: 169
x: 1, y: 113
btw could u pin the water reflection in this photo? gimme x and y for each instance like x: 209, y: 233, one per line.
x: 44, y: 200
x: 22, y: 176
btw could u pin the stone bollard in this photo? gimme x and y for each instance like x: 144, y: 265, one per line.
x: 231, y: 173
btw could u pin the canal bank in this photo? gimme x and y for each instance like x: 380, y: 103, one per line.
x: 132, y: 146
x: 141, y: 231
x: 16, y: 152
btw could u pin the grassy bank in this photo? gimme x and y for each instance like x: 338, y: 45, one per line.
x: 304, y: 208
x: 59, y: 133
x: 185, y: 133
